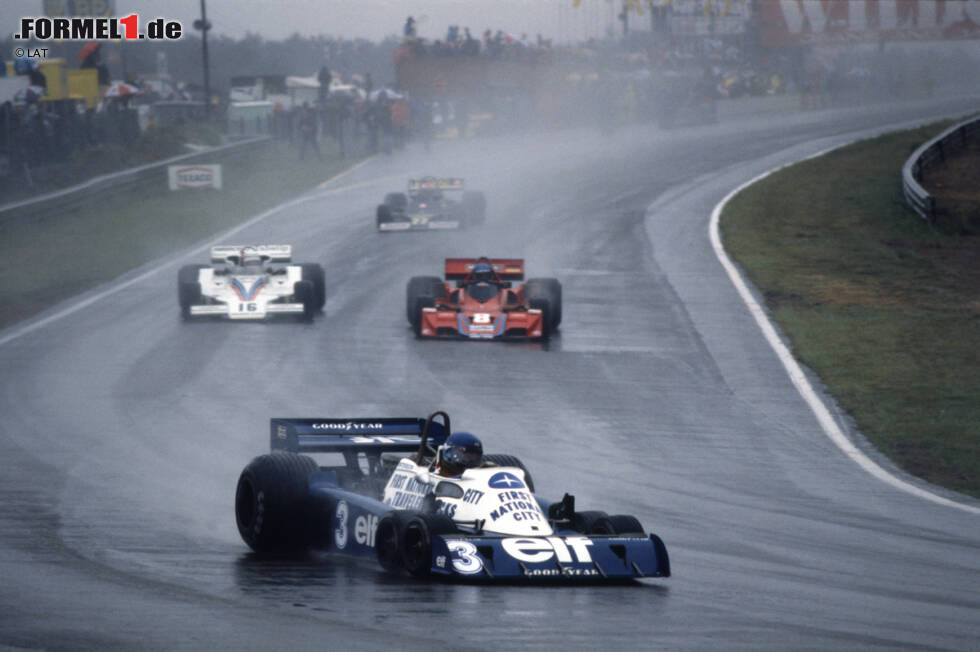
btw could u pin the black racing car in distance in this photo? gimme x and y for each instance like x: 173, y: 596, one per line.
x: 430, y: 204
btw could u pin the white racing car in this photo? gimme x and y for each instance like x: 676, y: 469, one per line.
x: 251, y: 283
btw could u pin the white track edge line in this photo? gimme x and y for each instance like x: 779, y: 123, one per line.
x: 793, y: 369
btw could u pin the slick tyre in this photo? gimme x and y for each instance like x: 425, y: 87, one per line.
x: 188, y: 288
x: 272, y: 503
x: 510, y: 460
x: 313, y: 272
x: 304, y: 293
x: 593, y: 523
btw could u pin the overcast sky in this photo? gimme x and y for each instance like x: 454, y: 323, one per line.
x: 371, y: 19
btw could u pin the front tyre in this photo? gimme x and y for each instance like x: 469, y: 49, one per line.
x: 420, y: 304
x: 304, y: 293
x: 593, y: 522
x: 542, y: 304
x: 313, y: 272
x: 422, y: 286
x: 189, y: 288
x: 550, y: 289
x: 627, y: 524
x: 387, y: 541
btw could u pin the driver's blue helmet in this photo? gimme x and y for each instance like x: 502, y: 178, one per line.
x: 462, y: 449
x: 482, y: 272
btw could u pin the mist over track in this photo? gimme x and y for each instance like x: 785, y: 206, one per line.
x: 124, y: 429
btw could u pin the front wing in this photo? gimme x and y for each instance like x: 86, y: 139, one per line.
x: 413, y: 224
x: 560, y: 557
x: 244, y: 310
x: 452, y: 323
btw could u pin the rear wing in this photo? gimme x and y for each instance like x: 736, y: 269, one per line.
x: 367, y: 435
x: 508, y: 269
x: 432, y: 183
x: 272, y: 253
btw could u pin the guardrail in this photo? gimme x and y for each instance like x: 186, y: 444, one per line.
x: 927, y: 156
x: 107, y: 184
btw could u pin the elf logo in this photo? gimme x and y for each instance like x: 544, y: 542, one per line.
x: 364, y: 529
x: 535, y: 550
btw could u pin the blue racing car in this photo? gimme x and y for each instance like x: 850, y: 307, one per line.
x: 422, y: 499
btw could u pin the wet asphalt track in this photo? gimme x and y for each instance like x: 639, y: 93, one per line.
x: 124, y: 430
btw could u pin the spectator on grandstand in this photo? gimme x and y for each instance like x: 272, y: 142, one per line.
x: 471, y: 46
x: 409, y: 30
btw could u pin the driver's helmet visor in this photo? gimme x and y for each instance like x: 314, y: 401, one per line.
x: 469, y: 456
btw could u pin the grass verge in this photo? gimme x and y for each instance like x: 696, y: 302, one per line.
x: 52, y: 258
x: 882, y: 307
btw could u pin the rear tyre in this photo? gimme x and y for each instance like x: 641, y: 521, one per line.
x: 304, y: 293
x: 188, y: 288
x: 313, y: 272
x: 272, y: 503
x: 626, y: 524
x: 592, y: 523
x: 511, y: 460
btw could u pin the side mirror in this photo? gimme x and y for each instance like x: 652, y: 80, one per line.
x: 564, y: 510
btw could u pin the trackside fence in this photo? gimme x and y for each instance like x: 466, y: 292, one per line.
x: 98, y: 188
x: 929, y: 155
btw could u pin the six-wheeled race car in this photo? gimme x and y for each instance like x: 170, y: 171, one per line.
x: 432, y: 203
x: 483, y: 304
x: 251, y: 283
x: 421, y: 499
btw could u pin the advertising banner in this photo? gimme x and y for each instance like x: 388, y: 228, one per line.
x: 193, y: 177
x: 830, y: 22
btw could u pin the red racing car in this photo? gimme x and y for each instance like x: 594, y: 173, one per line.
x: 484, y: 304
